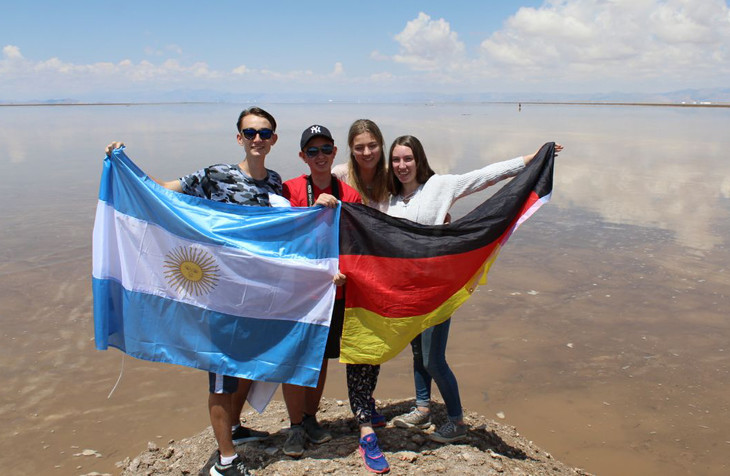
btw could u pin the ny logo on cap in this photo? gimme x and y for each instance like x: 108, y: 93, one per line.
x: 315, y: 130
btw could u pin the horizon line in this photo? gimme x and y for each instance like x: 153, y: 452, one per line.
x: 704, y: 104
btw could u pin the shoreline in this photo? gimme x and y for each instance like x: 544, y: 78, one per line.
x: 531, y: 103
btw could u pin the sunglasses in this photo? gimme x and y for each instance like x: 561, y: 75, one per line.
x: 249, y: 134
x: 312, y: 152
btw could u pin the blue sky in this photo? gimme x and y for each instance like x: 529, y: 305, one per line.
x: 54, y: 49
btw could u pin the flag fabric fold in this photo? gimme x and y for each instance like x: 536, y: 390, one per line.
x: 236, y: 290
x: 403, y: 277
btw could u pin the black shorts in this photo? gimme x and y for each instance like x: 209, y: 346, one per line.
x: 332, y: 349
x: 219, y: 383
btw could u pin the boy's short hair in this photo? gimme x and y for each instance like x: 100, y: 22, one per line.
x: 256, y: 111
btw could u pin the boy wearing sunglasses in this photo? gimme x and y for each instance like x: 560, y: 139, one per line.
x: 247, y: 183
x: 320, y: 187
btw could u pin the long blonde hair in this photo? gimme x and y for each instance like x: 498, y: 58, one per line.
x: 378, y: 191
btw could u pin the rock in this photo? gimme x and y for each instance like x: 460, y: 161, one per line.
x: 407, y: 456
x: 89, y: 452
x: 411, y: 446
x: 492, y: 448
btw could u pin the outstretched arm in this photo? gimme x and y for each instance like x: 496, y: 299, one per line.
x: 173, y: 185
x: 458, y: 186
x: 528, y: 158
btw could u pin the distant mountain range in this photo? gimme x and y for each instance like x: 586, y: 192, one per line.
x: 714, y: 96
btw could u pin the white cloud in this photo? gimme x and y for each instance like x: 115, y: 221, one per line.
x: 125, y: 70
x: 378, y: 56
x: 12, y: 52
x: 26, y: 79
x: 664, y: 43
x: 428, y: 45
x: 620, y: 40
x: 564, y: 45
x: 241, y: 69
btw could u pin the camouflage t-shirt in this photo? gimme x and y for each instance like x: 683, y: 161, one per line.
x: 229, y: 184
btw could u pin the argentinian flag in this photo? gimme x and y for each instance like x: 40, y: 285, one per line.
x: 236, y: 290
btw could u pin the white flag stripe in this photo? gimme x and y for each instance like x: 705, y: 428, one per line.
x: 151, y: 260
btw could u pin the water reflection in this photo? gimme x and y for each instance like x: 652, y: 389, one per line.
x: 628, y: 264
x: 655, y: 167
x: 659, y: 170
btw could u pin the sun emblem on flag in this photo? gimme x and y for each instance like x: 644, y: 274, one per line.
x: 191, y: 270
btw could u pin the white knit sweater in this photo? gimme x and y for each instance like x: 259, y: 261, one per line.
x: 433, y: 199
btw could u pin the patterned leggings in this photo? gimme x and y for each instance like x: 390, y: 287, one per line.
x: 361, y: 382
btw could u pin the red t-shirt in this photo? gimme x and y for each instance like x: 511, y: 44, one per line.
x: 295, y: 190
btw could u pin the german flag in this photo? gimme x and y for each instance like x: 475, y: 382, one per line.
x: 403, y: 277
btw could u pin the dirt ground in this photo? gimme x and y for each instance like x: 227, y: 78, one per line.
x: 490, y: 448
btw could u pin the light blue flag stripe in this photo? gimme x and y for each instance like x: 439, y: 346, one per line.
x: 250, y: 344
x: 172, y: 332
x: 225, y: 224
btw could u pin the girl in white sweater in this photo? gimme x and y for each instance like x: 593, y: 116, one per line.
x: 419, y: 195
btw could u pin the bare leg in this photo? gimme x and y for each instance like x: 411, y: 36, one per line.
x: 366, y: 429
x: 314, y: 395
x: 219, y: 408
x: 294, y: 396
x: 238, y: 399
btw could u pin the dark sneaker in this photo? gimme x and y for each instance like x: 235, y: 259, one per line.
x: 294, y: 445
x: 236, y: 468
x: 377, y: 420
x: 315, y: 433
x: 372, y: 456
x: 247, y: 435
x: 449, y: 433
x: 414, y: 419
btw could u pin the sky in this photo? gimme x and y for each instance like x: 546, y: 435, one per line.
x: 105, y: 50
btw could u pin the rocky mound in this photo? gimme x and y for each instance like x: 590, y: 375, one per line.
x: 490, y: 448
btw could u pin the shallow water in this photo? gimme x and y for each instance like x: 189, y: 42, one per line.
x: 602, y: 334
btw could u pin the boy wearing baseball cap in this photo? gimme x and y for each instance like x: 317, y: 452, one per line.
x: 320, y: 187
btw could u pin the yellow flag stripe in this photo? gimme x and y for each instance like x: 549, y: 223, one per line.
x: 369, y: 338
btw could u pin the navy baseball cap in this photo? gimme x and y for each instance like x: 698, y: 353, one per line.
x: 313, y: 131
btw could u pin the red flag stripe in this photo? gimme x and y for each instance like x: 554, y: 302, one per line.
x: 425, y: 283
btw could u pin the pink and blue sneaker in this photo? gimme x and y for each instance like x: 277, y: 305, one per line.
x: 372, y: 456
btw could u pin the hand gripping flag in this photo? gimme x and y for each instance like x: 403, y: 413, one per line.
x: 236, y: 290
x: 403, y: 277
